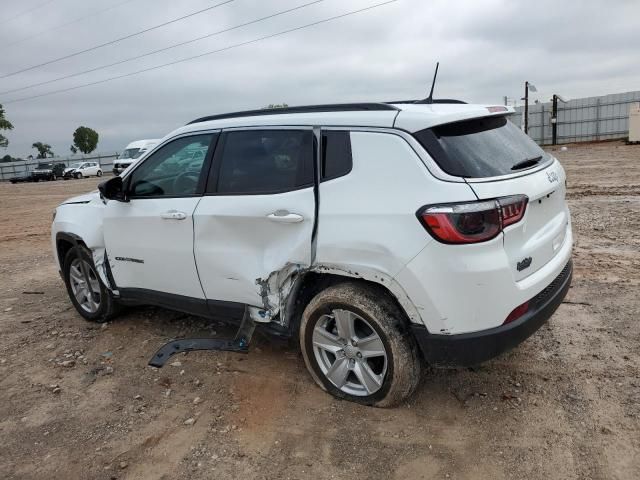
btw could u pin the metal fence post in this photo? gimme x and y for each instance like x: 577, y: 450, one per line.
x: 542, y: 124
x: 598, y: 118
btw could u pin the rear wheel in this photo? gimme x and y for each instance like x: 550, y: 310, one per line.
x: 356, y: 345
x: 99, y: 173
x: 91, y: 299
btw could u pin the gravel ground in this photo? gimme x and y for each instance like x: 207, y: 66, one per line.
x: 78, y: 401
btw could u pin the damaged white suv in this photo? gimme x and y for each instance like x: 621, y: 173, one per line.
x: 382, y: 235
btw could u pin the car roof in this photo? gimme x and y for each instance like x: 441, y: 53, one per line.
x: 402, y: 115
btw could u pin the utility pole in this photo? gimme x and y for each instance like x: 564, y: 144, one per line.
x: 527, y: 86
x: 554, y: 116
x: 526, y: 107
x: 554, y: 120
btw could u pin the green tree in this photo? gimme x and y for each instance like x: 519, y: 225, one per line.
x: 85, y: 139
x: 4, y: 125
x: 44, y: 149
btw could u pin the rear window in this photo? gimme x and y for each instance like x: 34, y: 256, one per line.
x: 480, y: 147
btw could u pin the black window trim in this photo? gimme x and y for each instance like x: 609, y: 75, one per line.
x: 204, y: 173
x: 346, y: 130
x: 211, y: 187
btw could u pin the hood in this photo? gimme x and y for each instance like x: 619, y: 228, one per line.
x: 69, y: 169
x: 42, y: 170
x: 84, y: 198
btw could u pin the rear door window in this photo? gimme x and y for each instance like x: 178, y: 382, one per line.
x: 263, y: 161
x: 337, y: 159
x: 480, y: 147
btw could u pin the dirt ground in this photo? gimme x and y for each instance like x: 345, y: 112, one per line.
x: 78, y: 400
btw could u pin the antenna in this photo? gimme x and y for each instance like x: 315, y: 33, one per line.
x: 429, y: 99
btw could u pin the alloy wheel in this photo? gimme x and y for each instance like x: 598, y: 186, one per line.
x: 86, y: 294
x: 349, y: 352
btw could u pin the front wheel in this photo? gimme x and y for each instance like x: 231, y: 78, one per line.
x: 99, y: 173
x: 91, y: 299
x: 78, y: 175
x: 357, y: 346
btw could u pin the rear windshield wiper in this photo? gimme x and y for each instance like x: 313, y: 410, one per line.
x: 529, y: 162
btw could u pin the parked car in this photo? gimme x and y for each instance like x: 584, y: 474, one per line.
x: 379, y: 235
x: 21, y: 178
x: 47, y: 171
x: 134, y: 151
x: 83, y: 169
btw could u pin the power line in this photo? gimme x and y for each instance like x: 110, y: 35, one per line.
x: 32, y: 9
x: 102, y: 67
x: 248, y: 42
x: 56, y: 27
x: 116, y: 40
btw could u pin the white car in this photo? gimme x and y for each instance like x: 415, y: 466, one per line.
x: 82, y: 170
x: 130, y: 155
x: 380, y: 235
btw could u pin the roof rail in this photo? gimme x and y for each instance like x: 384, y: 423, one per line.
x: 335, y: 107
x: 435, y: 100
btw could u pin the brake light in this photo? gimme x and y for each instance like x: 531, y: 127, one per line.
x: 472, y: 222
x: 512, y: 209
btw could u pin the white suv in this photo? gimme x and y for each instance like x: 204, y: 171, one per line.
x: 380, y: 235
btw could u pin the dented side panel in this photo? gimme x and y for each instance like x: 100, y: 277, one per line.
x: 246, y: 255
x: 84, y: 220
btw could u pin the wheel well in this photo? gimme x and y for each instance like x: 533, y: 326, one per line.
x: 63, y: 245
x: 313, y: 283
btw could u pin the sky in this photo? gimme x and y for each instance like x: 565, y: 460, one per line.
x: 486, y: 50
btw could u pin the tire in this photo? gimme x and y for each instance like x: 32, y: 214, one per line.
x: 78, y: 175
x: 396, y: 373
x: 106, y: 308
x: 99, y: 173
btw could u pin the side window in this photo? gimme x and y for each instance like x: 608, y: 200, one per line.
x: 336, y: 154
x: 265, y: 161
x: 173, y: 170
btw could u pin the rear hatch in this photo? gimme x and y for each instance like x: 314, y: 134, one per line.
x: 498, y: 160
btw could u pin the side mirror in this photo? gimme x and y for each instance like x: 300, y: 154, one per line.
x: 113, y: 189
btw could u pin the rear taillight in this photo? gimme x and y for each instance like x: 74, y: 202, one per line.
x: 472, y: 222
x: 512, y: 209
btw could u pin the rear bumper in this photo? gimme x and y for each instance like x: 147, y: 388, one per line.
x: 472, y: 348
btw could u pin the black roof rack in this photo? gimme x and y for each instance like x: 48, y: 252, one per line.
x: 435, y: 100
x: 336, y: 107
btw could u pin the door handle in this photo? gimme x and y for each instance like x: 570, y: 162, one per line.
x: 173, y: 215
x: 285, y: 216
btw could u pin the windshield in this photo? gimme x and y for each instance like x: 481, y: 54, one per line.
x: 130, y: 153
x: 481, y: 147
x: 75, y: 165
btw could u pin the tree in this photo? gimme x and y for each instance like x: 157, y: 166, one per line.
x: 85, y: 139
x: 73, y: 149
x: 4, y: 125
x: 44, y: 150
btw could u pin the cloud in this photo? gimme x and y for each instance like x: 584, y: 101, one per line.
x: 486, y: 49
